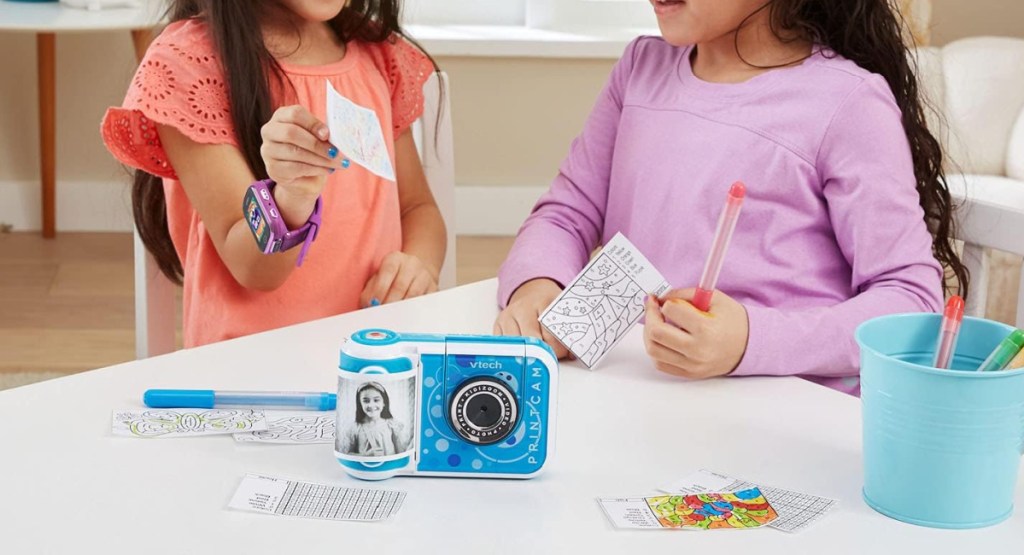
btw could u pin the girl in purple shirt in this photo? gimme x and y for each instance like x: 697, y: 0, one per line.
x: 813, y: 104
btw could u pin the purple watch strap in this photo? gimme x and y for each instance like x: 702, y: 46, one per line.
x: 304, y: 234
x: 312, y: 227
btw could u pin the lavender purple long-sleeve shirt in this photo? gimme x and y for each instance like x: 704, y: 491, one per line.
x: 831, y: 234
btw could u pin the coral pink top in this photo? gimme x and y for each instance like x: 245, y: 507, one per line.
x: 180, y: 83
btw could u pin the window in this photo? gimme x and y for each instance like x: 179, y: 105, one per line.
x: 620, y: 14
x: 464, y: 12
x: 542, y: 14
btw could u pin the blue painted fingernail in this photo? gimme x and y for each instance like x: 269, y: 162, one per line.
x: 374, y: 302
x: 346, y: 163
x: 332, y: 152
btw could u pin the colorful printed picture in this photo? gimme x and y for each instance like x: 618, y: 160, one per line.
x: 709, y: 511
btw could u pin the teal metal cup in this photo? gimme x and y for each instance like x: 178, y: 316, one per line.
x: 942, y: 448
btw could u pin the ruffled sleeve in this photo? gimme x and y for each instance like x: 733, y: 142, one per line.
x: 180, y: 84
x: 405, y: 68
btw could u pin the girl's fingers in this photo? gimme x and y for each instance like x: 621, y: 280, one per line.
x: 659, y: 331
x: 368, y: 292
x: 660, y: 353
x: 384, y: 278
x: 291, y: 134
x: 528, y: 324
x: 509, y: 325
x: 399, y: 285
x: 273, y: 151
x: 283, y: 171
x: 301, y: 117
x: 675, y: 370
x: 685, y: 315
x: 420, y: 286
x: 560, y: 350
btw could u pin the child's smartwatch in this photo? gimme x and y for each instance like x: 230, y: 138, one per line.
x: 267, y: 225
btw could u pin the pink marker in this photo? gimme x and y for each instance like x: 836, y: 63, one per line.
x: 726, y: 225
x: 951, y: 319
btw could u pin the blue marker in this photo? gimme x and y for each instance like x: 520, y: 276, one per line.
x: 208, y: 399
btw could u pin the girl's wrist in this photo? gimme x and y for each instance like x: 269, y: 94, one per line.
x: 295, y: 207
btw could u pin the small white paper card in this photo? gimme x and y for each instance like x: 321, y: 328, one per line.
x: 356, y: 131
x: 796, y: 510
x: 629, y: 512
x: 293, y: 427
x: 604, y: 301
x: 279, y: 496
x: 154, y: 423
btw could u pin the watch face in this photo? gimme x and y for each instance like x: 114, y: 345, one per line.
x: 256, y: 219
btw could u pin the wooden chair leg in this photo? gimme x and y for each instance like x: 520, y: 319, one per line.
x: 46, y: 59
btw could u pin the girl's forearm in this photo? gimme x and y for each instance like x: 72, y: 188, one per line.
x: 424, y: 235
x: 251, y: 268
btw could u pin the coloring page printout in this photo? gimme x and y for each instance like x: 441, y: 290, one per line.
x: 739, y: 510
x: 296, y: 427
x: 796, y: 510
x: 604, y: 301
x: 356, y: 131
x: 152, y: 423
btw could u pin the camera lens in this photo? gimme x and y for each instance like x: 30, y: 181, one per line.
x: 483, y: 411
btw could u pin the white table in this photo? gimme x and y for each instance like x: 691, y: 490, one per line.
x: 46, y: 20
x: 67, y: 484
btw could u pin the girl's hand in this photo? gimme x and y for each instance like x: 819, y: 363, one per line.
x: 521, y: 316
x: 684, y: 341
x: 298, y: 158
x: 401, y: 276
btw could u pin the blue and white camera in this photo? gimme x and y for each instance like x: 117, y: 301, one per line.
x: 445, y: 405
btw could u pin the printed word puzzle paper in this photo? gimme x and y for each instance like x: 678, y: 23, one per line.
x: 356, y: 131
x: 738, y: 510
x: 294, y: 428
x: 796, y: 510
x: 604, y: 301
x: 150, y: 423
x: 278, y: 496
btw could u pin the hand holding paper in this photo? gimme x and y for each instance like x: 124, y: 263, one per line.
x: 604, y: 301
x: 356, y: 131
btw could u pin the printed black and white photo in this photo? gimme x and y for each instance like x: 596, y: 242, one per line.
x: 376, y: 417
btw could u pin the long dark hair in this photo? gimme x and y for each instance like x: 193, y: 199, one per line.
x: 385, y: 413
x: 250, y: 72
x: 870, y: 33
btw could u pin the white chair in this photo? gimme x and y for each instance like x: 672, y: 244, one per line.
x: 977, y: 84
x: 155, y: 315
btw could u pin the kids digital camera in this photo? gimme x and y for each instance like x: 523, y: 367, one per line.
x: 444, y: 405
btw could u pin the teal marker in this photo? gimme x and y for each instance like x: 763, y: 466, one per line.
x: 1004, y: 353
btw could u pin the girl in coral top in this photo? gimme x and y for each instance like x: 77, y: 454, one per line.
x: 233, y: 91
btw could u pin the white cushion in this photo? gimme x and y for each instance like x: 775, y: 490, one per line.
x: 984, y: 94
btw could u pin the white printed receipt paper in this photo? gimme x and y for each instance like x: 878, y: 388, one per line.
x: 282, y: 497
x: 357, y: 133
x: 604, y: 301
